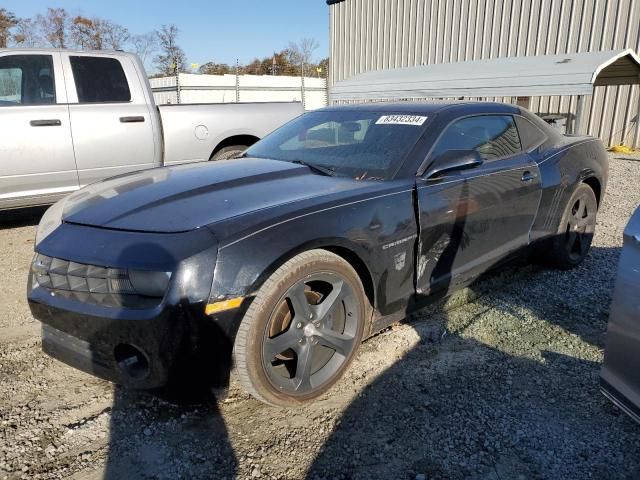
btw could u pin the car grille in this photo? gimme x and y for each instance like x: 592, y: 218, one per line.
x: 88, y: 283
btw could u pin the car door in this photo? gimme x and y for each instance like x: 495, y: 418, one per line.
x: 36, y: 155
x: 472, y: 218
x: 111, y: 122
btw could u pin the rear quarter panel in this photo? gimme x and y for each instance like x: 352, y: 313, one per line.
x: 192, y: 132
x: 563, y: 166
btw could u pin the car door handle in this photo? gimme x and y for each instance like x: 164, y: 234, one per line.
x: 528, y: 176
x: 45, y: 123
x: 131, y: 119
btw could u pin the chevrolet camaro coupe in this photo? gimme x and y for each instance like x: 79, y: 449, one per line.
x: 276, y: 265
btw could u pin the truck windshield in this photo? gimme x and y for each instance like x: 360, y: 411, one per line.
x: 360, y: 144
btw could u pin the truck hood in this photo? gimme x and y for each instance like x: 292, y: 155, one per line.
x: 186, y: 197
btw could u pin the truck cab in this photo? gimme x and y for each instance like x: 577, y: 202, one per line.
x: 71, y: 118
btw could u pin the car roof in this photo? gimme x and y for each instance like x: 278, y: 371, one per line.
x: 430, y: 108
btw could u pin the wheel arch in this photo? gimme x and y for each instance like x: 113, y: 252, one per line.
x: 244, y: 139
x: 345, y: 249
x: 595, y: 185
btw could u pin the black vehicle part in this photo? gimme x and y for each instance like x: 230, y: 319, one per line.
x: 302, y: 329
x: 572, y: 243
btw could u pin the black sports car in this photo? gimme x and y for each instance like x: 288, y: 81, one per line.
x: 278, y: 264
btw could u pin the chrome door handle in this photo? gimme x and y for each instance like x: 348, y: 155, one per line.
x: 131, y: 119
x: 45, y: 123
x: 528, y: 176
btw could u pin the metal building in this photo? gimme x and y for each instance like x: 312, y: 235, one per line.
x: 381, y: 34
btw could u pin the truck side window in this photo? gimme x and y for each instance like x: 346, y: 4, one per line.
x: 27, y: 80
x: 492, y: 136
x: 99, y: 80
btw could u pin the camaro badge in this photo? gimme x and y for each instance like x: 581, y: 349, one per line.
x: 399, y: 259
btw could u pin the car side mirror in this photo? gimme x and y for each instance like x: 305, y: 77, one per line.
x: 454, y: 160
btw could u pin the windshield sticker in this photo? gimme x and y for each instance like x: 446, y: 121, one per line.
x: 401, y: 120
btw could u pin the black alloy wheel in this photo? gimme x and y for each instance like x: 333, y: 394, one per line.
x: 302, y: 329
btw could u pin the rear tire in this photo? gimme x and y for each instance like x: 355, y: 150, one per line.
x: 302, y: 330
x: 572, y: 241
x: 227, y: 153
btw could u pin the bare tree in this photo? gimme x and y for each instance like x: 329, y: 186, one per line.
x: 7, y: 21
x: 301, y: 53
x: 55, y: 27
x: 83, y: 32
x: 171, y: 58
x: 144, y: 45
x: 213, y: 68
x: 98, y: 33
x: 114, y: 35
x: 25, y: 34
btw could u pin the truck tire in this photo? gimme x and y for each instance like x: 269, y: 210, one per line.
x: 572, y: 242
x: 227, y: 153
x: 302, y: 329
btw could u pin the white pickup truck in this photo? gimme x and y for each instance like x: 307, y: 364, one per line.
x: 70, y: 118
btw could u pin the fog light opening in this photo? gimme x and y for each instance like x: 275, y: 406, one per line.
x: 131, y: 361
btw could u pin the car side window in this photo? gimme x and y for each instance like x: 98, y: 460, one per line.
x: 99, y: 80
x: 27, y: 80
x: 492, y: 136
x: 530, y: 135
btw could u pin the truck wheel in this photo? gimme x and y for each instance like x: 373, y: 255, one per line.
x: 302, y: 329
x: 227, y: 153
x: 572, y: 242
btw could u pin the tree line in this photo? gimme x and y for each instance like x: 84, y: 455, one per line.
x: 58, y: 28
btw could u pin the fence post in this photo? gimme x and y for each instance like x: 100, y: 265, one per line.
x: 177, y: 83
x: 237, y: 81
x: 302, y: 83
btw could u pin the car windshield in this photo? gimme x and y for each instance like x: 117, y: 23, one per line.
x: 364, y: 145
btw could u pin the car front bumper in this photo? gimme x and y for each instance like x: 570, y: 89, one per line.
x: 142, y: 344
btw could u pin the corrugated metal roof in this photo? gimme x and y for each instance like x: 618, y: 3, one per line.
x: 564, y: 74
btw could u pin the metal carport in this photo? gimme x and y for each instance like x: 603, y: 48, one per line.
x: 565, y: 74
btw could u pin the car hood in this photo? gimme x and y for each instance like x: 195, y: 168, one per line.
x: 186, y: 197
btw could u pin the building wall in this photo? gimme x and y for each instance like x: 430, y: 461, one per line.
x: 252, y: 88
x: 379, y: 34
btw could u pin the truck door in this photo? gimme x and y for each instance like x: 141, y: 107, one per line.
x: 472, y: 218
x: 36, y: 155
x: 111, y: 122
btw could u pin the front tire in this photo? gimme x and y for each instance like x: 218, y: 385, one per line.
x: 572, y: 241
x: 302, y: 329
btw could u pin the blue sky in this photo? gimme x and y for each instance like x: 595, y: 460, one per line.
x: 216, y: 30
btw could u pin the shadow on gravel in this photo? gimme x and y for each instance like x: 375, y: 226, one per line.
x: 457, y: 408
x: 24, y: 217
x: 152, y: 438
x: 461, y: 404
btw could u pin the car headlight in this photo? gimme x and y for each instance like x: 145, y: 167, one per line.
x: 51, y: 220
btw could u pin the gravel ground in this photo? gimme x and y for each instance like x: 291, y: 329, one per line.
x: 503, y: 386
